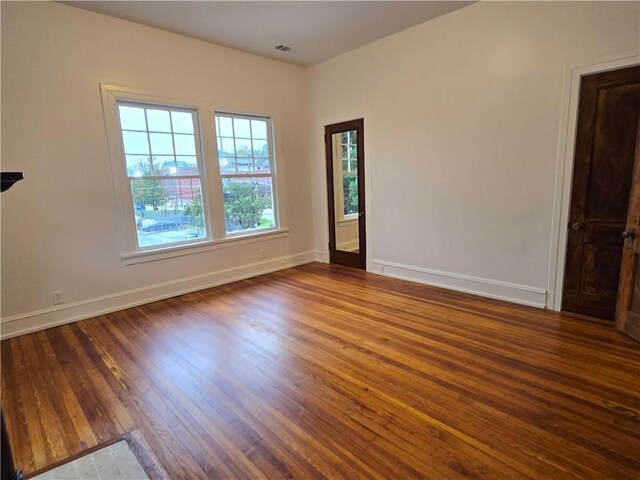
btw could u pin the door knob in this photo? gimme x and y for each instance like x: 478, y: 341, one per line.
x: 631, y: 233
x: 576, y: 226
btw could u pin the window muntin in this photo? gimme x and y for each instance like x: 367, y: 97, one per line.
x: 164, y: 173
x: 245, y: 158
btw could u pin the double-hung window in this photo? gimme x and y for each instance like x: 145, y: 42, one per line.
x: 188, y: 175
x: 164, y: 171
x: 246, y: 167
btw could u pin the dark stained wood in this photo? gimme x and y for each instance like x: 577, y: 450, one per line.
x: 357, y: 259
x: 607, y: 124
x: 323, y: 371
x: 628, y: 307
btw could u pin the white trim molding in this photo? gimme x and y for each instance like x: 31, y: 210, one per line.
x: 322, y: 257
x: 564, y: 164
x: 73, y: 312
x: 511, y: 292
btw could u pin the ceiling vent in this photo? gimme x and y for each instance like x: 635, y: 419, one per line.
x: 283, y: 48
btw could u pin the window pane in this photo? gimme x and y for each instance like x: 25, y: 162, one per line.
x: 353, y: 151
x: 248, y: 204
x: 345, y: 151
x: 243, y: 147
x: 187, y: 165
x: 182, y: 122
x: 132, y: 118
x: 185, y: 144
x: 244, y: 164
x: 167, y: 210
x: 161, y: 143
x: 259, y: 129
x: 354, y: 164
x: 242, y: 128
x: 145, y: 166
x: 262, y: 165
x: 227, y: 165
x: 350, y: 192
x: 158, y: 120
x: 260, y: 148
x: 228, y: 147
x: 135, y: 143
x: 166, y: 164
x: 135, y: 165
x: 226, y: 128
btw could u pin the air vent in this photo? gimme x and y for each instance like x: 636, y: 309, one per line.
x: 283, y: 48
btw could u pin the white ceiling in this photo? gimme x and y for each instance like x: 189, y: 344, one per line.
x: 316, y: 30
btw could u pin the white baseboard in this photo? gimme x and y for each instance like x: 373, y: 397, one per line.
x: 72, y: 312
x: 511, y: 292
x: 322, y: 257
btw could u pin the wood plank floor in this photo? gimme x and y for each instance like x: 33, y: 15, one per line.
x: 327, y: 372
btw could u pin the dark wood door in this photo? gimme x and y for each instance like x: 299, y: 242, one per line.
x: 628, y: 308
x: 344, y: 145
x: 608, y: 115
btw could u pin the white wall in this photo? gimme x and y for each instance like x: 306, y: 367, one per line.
x: 60, y: 227
x: 462, y: 127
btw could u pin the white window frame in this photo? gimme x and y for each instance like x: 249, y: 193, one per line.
x: 271, y: 175
x: 210, y: 178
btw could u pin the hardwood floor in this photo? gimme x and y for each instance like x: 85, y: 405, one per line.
x: 323, y: 371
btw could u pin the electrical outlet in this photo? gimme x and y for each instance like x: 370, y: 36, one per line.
x: 262, y: 254
x: 57, y: 297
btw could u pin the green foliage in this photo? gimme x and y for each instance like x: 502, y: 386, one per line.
x: 194, y: 209
x: 148, y: 191
x: 244, y: 203
x: 350, y: 194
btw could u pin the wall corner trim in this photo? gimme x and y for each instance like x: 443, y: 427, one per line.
x: 51, y: 317
x: 510, y: 292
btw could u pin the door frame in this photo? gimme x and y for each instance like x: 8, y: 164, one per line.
x: 351, y: 259
x: 565, y: 163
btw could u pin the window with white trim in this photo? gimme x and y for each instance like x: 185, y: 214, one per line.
x: 186, y: 175
x: 164, y: 171
x: 246, y: 168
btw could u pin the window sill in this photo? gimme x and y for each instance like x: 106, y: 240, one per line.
x: 347, y: 221
x: 200, y: 247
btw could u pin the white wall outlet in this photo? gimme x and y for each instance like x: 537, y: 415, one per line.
x: 57, y: 297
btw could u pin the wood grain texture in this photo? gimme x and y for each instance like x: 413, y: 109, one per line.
x: 608, y: 116
x: 322, y: 371
x: 628, y: 305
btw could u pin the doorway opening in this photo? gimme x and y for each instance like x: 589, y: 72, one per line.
x: 344, y: 147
